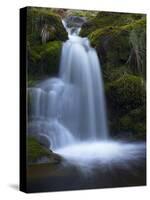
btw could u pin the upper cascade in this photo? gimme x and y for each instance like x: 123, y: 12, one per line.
x: 73, y: 24
x: 71, y: 108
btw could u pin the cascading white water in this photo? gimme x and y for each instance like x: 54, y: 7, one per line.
x: 71, y: 108
x: 70, y: 111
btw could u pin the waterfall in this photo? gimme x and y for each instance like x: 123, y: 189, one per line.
x: 71, y: 108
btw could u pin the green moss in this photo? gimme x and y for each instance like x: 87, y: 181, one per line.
x: 44, y: 60
x: 109, y: 19
x: 82, y: 13
x: 35, y: 151
x: 134, y: 122
x: 31, y: 82
x: 111, y: 34
x: 126, y: 93
x: 126, y: 105
x: 112, y: 74
x: 37, y: 18
x: 113, y: 42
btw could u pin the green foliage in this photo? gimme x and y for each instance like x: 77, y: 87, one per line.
x: 35, y: 151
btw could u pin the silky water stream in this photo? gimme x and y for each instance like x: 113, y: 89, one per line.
x: 70, y: 111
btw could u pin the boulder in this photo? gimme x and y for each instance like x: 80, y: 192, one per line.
x: 38, y: 19
x: 39, y: 153
x: 44, y: 140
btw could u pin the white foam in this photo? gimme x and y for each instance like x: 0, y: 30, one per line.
x: 90, y: 155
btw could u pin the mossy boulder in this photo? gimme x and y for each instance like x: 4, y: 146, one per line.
x: 119, y: 39
x: 37, y: 153
x: 45, y: 34
x: 113, y: 43
x: 126, y: 93
x: 44, y: 60
x: 108, y: 19
x: 126, y: 99
x: 40, y: 19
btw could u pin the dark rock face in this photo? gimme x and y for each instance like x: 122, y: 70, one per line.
x: 53, y: 158
x: 75, y: 21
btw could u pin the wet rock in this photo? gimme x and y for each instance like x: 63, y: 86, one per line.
x: 75, y: 21
x: 44, y: 140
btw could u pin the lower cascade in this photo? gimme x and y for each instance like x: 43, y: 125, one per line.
x: 71, y: 108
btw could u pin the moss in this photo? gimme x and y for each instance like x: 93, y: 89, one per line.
x: 37, y: 18
x: 44, y: 60
x: 87, y: 15
x: 112, y: 45
x: 112, y: 74
x: 129, y: 126
x: 126, y: 105
x: 43, y: 53
x: 35, y: 151
x: 111, y: 34
x: 113, y: 42
x: 31, y: 82
x: 109, y: 19
x: 134, y: 122
x: 126, y: 93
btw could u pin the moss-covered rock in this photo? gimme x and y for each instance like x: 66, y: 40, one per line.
x: 40, y: 19
x: 108, y: 19
x: 113, y: 43
x: 44, y: 60
x: 35, y: 152
x: 45, y: 34
x: 119, y: 39
x: 126, y: 106
x: 125, y: 94
x: 134, y: 122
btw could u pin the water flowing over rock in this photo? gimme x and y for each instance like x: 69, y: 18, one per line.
x: 71, y: 108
